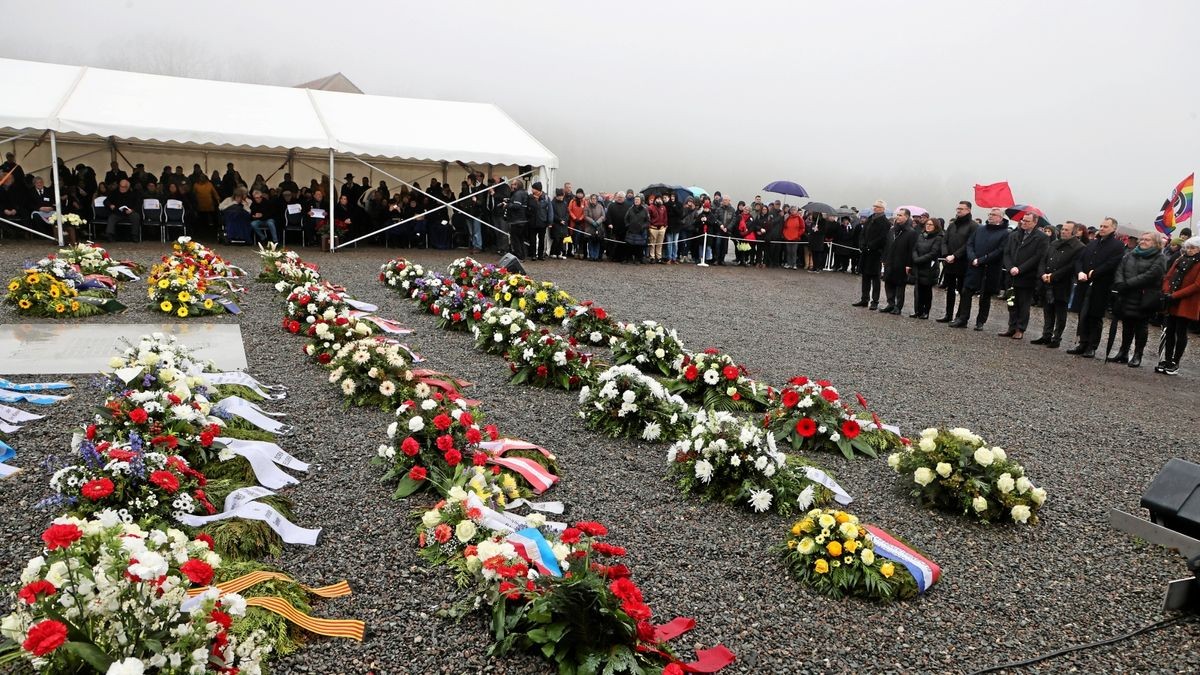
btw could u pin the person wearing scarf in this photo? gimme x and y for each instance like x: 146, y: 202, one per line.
x: 1181, y: 286
x: 1138, y: 278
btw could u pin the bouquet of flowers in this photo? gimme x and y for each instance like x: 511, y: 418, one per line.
x: 716, y: 382
x: 312, y: 302
x: 327, y: 337
x: 511, y: 291
x: 499, y: 327
x: 548, y: 360
x: 68, y: 219
x: 285, y: 269
x: 180, y: 289
x: 180, y: 423
x: 589, y: 324
x: 547, y: 303
x: 372, y: 371
x: 736, y: 462
x: 627, y: 403
x: 955, y: 470
x: 110, y: 597
x: 89, y: 258
x: 430, y: 438
x: 830, y: 552
x: 812, y: 415
x: 646, y: 345
x: 459, y: 308
x: 400, y: 274
x: 208, y: 264
x: 149, y: 488
x: 461, y: 270
x: 487, y: 278
x: 456, y: 522
x: 39, y: 293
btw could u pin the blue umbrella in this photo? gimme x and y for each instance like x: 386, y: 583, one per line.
x: 786, y: 187
x: 697, y: 191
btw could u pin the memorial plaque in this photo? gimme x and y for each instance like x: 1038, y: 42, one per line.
x: 46, y: 348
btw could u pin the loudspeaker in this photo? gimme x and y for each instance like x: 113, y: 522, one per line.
x: 512, y: 263
x: 1173, y: 498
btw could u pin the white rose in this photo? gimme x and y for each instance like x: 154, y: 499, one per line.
x: 927, y: 444
x: 979, y: 504
x: 1000, y: 454
x: 984, y: 457
x: 659, y: 353
x: 929, y: 432
x: 1038, y: 496
x: 465, y: 530
x: 1005, y: 483
x: 1023, y: 485
x: 535, y: 520
x: 923, y: 476
x: 894, y: 460
x: 944, y: 469
x: 1021, y: 513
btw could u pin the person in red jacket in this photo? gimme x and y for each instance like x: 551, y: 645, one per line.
x: 576, y: 222
x: 658, y: 229
x: 793, y: 231
x: 1181, y: 285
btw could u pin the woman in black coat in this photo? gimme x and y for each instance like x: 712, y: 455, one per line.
x: 1137, y: 283
x: 927, y: 248
x: 637, y: 225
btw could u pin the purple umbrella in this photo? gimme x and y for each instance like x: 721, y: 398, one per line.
x: 786, y: 187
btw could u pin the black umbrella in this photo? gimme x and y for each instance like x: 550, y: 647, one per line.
x: 681, y: 193
x: 818, y: 207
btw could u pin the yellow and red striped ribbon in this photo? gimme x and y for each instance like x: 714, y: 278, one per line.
x: 347, y: 628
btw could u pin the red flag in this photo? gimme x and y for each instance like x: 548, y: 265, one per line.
x: 994, y: 195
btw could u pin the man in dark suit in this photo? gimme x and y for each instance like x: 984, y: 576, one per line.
x: 1095, y: 271
x: 1057, y: 273
x: 1023, y: 255
x: 870, y: 244
x: 897, y: 261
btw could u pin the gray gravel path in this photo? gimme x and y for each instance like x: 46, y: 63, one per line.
x: 1089, y: 433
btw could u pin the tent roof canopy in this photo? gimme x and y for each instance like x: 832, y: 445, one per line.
x: 83, y: 101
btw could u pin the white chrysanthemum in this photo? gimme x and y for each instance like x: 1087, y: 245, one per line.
x: 711, y: 377
x: 584, y: 392
x: 652, y: 432
x: 805, y: 499
x: 628, y: 396
x: 868, y: 556
x: 387, y: 388
x: 704, y: 470
x: 761, y: 500
x: 348, y: 386
x: 735, y: 460
x: 422, y: 390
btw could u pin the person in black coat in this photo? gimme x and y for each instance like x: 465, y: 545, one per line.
x: 927, y: 248
x: 897, y: 261
x: 1057, y: 272
x: 954, y: 250
x: 1022, y: 257
x: 516, y: 215
x: 1095, y: 270
x: 1138, y: 283
x: 985, y: 262
x: 637, y: 226
x: 871, y: 241
x: 614, y: 225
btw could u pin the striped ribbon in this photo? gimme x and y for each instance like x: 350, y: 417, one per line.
x: 10, y: 396
x: 924, y: 570
x: 33, y: 386
x: 345, y: 628
x: 538, y: 476
x: 224, y: 302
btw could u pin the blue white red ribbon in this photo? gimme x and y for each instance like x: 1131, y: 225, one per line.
x: 924, y: 570
x: 533, y: 547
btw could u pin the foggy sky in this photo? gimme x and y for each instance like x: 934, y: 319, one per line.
x: 1088, y: 109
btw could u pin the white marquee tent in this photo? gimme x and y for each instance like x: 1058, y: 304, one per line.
x: 82, y: 104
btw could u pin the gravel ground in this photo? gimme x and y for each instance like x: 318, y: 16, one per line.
x: 1085, y: 431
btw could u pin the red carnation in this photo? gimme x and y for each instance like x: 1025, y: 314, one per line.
x: 829, y: 395
x: 799, y: 380
x: 473, y: 436
x: 626, y: 590
x: 607, y: 549
x: 417, y: 473
x: 636, y: 610
x: 61, y: 535
x: 645, y: 632
x: 293, y: 327
x: 442, y: 533
x: 823, y: 383
x: 90, y: 432
x: 410, y: 446
x: 477, y: 315
x: 445, y: 442
x: 45, y: 637
x: 850, y: 429
x: 220, y: 618
x: 174, y: 399
x: 206, y: 438
x: 600, y: 313
x: 198, y: 572
x: 570, y: 535
x: 690, y: 373
x: 165, y: 480
x: 737, y: 396
x: 492, y: 432
x: 98, y: 489
x: 208, y: 541
x: 592, y: 528
x: 29, y: 594
x: 790, y: 398
x: 452, y: 457
x: 138, y: 416
x: 712, y: 351
x: 323, y: 358
x: 456, y: 317
x: 542, y: 371
x: 466, y: 420
x: 442, y: 422
x: 479, y: 458
x: 730, y: 372
x: 806, y: 427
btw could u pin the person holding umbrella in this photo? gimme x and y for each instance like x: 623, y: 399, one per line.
x: 1022, y: 255
x: 1181, y: 286
x: 871, y: 242
x: 1095, y: 270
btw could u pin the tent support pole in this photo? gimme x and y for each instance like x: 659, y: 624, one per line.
x: 329, y: 217
x: 58, y: 217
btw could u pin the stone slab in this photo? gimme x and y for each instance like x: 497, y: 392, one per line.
x: 51, y: 349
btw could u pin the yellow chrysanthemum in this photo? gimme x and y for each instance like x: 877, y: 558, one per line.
x: 163, y: 283
x: 166, y: 306
x: 559, y: 312
x: 184, y: 296
x: 821, y: 566
x: 208, y: 304
x: 806, y: 525
x: 841, y: 517
x: 887, y: 569
x: 541, y: 297
x: 182, y: 311
x: 24, y: 304
x: 796, y: 528
x: 60, y: 308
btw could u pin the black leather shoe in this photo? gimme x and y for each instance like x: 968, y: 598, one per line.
x: 1122, y: 357
x: 888, y: 309
x: 945, y: 319
x: 978, y: 326
x: 1136, y: 361
x: 1076, y: 350
x: 873, y: 306
x: 897, y: 311
x: 958, y: 323
x: 1040, y: 341
x: 1053, y: 344
x: 1089, y: 354
x: 1007, y: 333
x: 914, y: 315
x: 860, y: 303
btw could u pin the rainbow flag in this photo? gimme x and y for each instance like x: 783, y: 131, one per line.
x: 1177, y: 208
